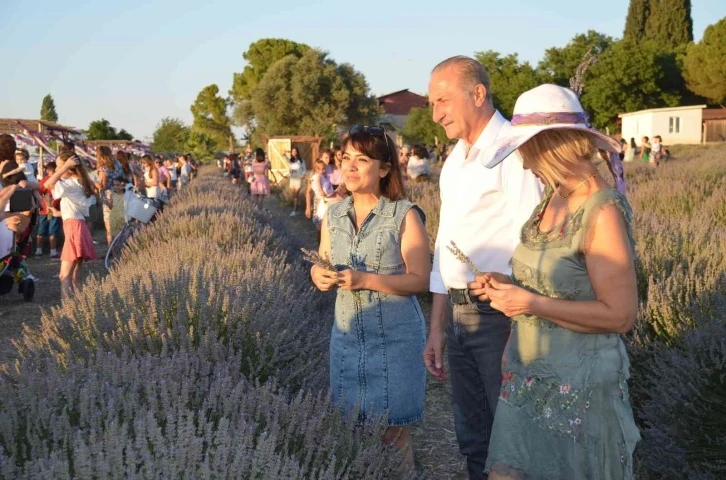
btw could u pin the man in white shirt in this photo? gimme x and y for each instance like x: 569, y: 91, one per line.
x: 482, y: 211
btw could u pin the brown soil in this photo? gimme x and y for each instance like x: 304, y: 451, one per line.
x: 15, y: 312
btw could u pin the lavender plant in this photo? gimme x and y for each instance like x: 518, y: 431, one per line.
x: 189, y: 361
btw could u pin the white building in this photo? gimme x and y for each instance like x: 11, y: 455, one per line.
x: 675, y: 125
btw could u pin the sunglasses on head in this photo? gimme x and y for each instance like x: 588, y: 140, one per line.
x: 371, y: 130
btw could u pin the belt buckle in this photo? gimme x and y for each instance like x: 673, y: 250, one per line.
x: 459, y: 296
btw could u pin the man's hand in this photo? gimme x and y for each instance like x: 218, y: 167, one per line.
x: 433, y: 354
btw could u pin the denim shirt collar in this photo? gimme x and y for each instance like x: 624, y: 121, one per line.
x: 384, y: 208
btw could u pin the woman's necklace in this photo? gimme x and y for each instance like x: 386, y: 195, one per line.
x: 564, y: 197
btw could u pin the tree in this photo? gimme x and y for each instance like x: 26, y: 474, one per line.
x: 560, y: 64
x: 124, y: 135
x: 310, y: 95
x: 669, y: 23
x: 636, y: 20
x: 210, y: 117
x: 421, y: 128
x: 47, y: 110
x: 509, y: 78
x: 200, y: 145
x: 260, y: 56
x: 102, y: 130
x: 171, y: 135
x: 705, y: 67
x: 630, y: 77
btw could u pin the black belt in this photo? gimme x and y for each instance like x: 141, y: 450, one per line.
x: 460, y: 296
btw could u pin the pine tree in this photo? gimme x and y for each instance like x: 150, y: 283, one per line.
x: 635, y: 22
x: 669, y: 23
x: 47, y: 110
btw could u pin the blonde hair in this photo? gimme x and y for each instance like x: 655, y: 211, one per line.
x: 555, y: 155
x: 105, y: 157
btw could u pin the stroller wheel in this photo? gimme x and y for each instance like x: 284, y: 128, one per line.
x: 27, y: 288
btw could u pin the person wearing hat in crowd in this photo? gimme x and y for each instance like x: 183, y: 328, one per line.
x: 482, y: 211
x: 564, y: 409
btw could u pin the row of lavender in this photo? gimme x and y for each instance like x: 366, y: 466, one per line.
x: 679, y: 347
x: 202, y: 355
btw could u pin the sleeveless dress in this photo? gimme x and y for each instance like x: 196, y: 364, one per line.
x: 646, y: 156
x: 564, y: 410
x: 377, y: 340
x: 260, y: 184
x: 151, y: 192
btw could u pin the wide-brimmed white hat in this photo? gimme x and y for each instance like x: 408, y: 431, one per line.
x: 543, y: 108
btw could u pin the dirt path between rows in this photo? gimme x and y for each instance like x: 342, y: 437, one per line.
x: 15, y: 312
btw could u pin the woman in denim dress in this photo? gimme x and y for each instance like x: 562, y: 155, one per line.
x: 378, y: 244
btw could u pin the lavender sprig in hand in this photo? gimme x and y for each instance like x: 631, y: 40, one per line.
x: 463, y: 258
x: 314, y: 257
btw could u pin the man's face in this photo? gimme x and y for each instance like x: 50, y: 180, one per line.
x: 454, y: 108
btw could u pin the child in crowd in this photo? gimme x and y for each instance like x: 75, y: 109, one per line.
x: 656, y: 150
x: 50, y: 224
x: 73, y: 187
x: 260, y: 184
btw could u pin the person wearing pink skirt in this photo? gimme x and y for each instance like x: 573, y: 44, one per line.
x: 72, y: 186
x: 260, y: 184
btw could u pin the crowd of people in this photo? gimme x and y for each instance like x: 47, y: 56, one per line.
x: 532, y: 277
x: 533, y: 281
x: 650, y: 152
x: 72, y: 194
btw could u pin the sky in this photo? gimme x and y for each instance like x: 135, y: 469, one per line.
x: 134, y: 62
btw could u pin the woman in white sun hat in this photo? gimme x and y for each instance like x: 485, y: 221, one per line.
x: 564, y: 410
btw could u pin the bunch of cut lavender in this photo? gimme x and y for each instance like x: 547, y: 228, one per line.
x: 577, y: 83
x: 463, y: 258
x: 314, y: 257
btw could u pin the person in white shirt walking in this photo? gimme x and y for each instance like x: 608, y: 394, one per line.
x: 482, y: 211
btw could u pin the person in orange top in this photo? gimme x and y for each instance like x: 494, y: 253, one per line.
x: 49, y: 224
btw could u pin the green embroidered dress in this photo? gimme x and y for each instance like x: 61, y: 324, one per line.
x: 563, y: 410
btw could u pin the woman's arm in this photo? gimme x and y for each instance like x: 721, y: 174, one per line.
x: 416, y: 256
x: 611, y: 271
x: 50, y: 183
x: 102, y: 180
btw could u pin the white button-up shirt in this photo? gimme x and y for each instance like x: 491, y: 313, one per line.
x: 482, y: 210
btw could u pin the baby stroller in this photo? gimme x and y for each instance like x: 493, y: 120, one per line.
x: 14, y: 249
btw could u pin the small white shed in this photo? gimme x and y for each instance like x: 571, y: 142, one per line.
x: 676, y: 125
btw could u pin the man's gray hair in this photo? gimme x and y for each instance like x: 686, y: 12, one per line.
x: 472, y: 73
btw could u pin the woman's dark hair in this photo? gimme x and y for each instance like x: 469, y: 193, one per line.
x: 50, y: 166
x: 7, y: 147
x: 259, y: 154
x: 380, y: 147
x: 632, y: 143
x: 329, y: 152
x: 80, y: 172
x: 123, y: 159
x: 296, y: 155
x: 420, y: 151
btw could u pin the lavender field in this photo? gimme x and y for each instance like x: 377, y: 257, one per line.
x: 678, y: 348
x: 204, y: 354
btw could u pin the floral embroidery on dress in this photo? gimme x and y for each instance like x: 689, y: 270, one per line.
x: 556, y: 406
